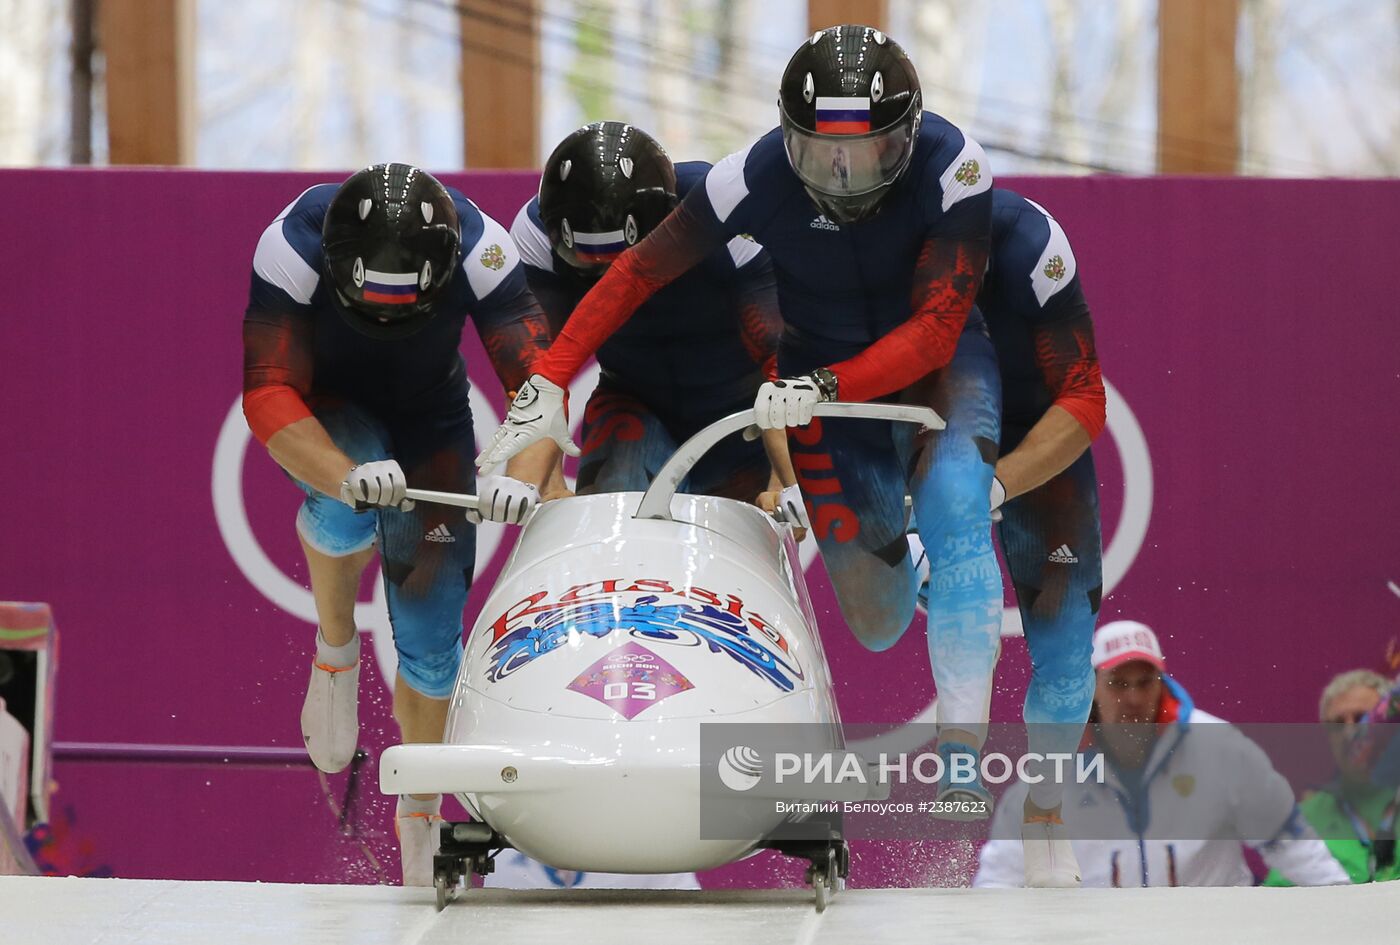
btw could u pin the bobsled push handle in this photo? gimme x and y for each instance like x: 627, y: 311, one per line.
x: 657, y: 501
x: 460, y: 500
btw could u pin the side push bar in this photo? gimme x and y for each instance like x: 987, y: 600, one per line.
x: 460, y: 500
x: 657, y: 501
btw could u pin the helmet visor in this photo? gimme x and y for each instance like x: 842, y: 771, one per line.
x: 841, y: 165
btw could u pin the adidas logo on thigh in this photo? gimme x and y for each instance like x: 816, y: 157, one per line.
x: 440, y: 534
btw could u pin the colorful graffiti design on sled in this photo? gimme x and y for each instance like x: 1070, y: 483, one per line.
x: 533, y: 627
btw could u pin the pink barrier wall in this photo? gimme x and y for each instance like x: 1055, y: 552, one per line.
x: 1248, y: 329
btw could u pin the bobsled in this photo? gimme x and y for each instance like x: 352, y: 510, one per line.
x: 621, y: 624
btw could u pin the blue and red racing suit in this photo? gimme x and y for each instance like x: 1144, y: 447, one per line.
x: 1040, y: 325
x: 694, y: 352
x: 885, y: 304
x: 406, y: 399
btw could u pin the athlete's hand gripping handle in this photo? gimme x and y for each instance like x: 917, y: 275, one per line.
x: 789, y: 402
x: 508, y: 501
x: 787, y: 505
x: 376, y: 485
x: 502, y: 499
x: 537, y: 412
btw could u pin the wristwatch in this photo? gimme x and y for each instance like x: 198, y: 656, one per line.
x: 827, y: 384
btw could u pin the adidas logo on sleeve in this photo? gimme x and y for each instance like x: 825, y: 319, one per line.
x: 440, y: 534
x: 1062, y: 555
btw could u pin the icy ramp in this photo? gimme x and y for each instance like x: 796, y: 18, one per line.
x: 50, y: 911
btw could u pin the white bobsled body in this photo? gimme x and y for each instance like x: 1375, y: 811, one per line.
x: 605, y: 644
x: 620, y: 625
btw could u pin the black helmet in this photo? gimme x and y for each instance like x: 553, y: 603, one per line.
x: 604, y: 188
x: 390, y: 243
x: 850, y: 107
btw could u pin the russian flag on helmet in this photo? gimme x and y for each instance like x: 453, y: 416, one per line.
x: 391, y: 288
x: 843, y: 116
x: 599, y: 247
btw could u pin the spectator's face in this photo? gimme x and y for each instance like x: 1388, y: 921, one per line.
x: 1346, y: 709
x: 1128, y: 694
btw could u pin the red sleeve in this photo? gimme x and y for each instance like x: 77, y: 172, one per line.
x: 1065, y: 352
x: 269, y: 409
x: 947, y: 278
x: 681, y: 241
x: 515, y: 338
x: 760, y: 323
x: 277, y: 369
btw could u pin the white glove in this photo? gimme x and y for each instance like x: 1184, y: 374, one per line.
x: 502, y: 499
x: 997, y: 498
x: 537, y: 412
x: 786, y: 403
x: 376, y: 485
x: 794, y: 509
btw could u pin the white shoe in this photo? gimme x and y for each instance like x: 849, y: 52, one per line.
x: 418, y: 833
x: 330, y: 716
x: 1049, y: 855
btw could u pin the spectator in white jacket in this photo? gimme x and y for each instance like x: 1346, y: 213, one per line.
x: 1180, y: 797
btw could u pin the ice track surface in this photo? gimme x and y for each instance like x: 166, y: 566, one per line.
x: 52, y: 911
